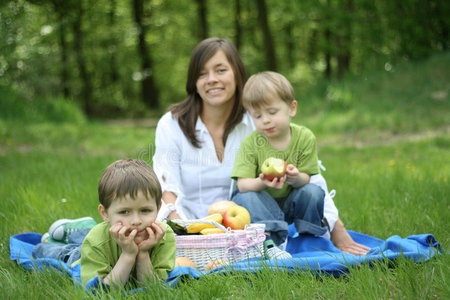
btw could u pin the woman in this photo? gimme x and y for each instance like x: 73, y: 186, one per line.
x: 198, y: 139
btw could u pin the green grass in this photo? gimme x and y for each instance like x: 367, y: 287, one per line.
x: 385, y: 142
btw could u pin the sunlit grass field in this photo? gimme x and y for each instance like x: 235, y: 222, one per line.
x: 383, y: 137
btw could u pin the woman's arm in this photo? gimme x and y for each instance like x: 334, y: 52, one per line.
x: 167, y: 162
x: 171, y: 198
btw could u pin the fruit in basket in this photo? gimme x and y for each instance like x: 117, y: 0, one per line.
x: 236, y: 217
x: 184, y: 262
x: 197, y: 227
x: 220, y: 207
x: 215, y: 264
x: 211, y: 231
x: 273, y: 168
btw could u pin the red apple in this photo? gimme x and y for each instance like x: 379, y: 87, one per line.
x: 273, y: 168
x: 220, y: 207
x: 236, y: 217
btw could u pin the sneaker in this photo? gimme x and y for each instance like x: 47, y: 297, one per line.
x: 271, y: 251
x: 61, y: 229
x: 44, y: 238
x: 47, y: 239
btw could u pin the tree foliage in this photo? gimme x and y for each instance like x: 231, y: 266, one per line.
x: 116, y: 57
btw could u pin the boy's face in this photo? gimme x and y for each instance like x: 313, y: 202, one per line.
x: 273, y: 119
x: 138, y: 213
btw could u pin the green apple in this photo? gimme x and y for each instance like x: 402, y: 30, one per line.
x: 273, y: 168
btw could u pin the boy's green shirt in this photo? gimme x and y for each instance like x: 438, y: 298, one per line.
x: 255, y: 149
x: 100, y: 253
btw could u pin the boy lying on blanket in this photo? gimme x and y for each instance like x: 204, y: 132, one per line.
x: 130, y: 246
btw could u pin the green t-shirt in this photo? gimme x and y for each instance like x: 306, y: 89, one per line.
x: 255, y: 149
x: 100, y: 253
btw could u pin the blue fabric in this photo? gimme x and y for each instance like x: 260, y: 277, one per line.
x: 312, y: 254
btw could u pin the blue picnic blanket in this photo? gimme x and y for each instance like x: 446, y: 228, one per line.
x: 310, y: 254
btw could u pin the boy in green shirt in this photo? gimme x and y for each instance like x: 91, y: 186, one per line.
x: 269, y: 98
x: 130, y: 245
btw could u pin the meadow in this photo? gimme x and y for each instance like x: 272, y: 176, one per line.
x: 384, y: 138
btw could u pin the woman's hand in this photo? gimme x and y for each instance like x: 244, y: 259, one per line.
x: 174, y: 216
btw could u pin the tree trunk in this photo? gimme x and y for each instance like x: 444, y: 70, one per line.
x: 290, y: 44
x: 344, y: 40
x: 150, y: 93
x: 237, y: 24
x: 312, y: 46
x: 64, y: 57
x: 202, y: 15
x: 86, y: 93
x: 268, y: 43
x: 114, y: 73
x: 328, y: 42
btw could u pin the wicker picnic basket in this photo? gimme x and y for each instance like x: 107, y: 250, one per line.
x: 231, y: 246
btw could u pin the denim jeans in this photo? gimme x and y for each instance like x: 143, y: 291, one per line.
x: 68, y: 253
x: 303, y: 207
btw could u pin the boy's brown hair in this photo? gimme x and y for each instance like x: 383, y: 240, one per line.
x: 128, y: 176
x: 262, y: 86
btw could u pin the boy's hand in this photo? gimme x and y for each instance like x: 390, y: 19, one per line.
x: 292, y: 174
x: 275, y: 183
x: 296, y: 178
x: 124, y: 238
x: 156, y: 231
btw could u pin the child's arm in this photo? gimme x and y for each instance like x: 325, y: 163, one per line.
x: 144, y: 266
x: 121, y: 272
x: 296, y: 178
x: 259, y: 183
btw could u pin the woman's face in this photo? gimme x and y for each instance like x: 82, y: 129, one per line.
x: 216, y: 82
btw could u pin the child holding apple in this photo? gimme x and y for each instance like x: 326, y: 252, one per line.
x: 284, y: 194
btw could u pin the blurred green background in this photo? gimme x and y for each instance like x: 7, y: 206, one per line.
x: 129, y: 58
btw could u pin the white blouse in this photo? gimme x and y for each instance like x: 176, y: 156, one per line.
x: 196, y: 176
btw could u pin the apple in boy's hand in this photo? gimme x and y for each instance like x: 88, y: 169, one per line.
x: 220, y: 207
x: 273, y: 168
x: 236, y: 217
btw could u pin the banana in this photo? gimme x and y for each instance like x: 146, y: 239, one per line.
x: 211, y: 231
x: 197, y: 227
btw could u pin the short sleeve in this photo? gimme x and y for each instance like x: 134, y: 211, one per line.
x: 246, y: 163
x: 94, y: 262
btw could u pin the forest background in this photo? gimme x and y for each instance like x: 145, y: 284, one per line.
x: 118, y: 58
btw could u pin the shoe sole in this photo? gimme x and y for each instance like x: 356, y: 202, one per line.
x: 65, y: 221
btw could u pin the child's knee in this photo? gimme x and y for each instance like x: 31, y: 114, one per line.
x: 315, y: 191
x: 244, y: 199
